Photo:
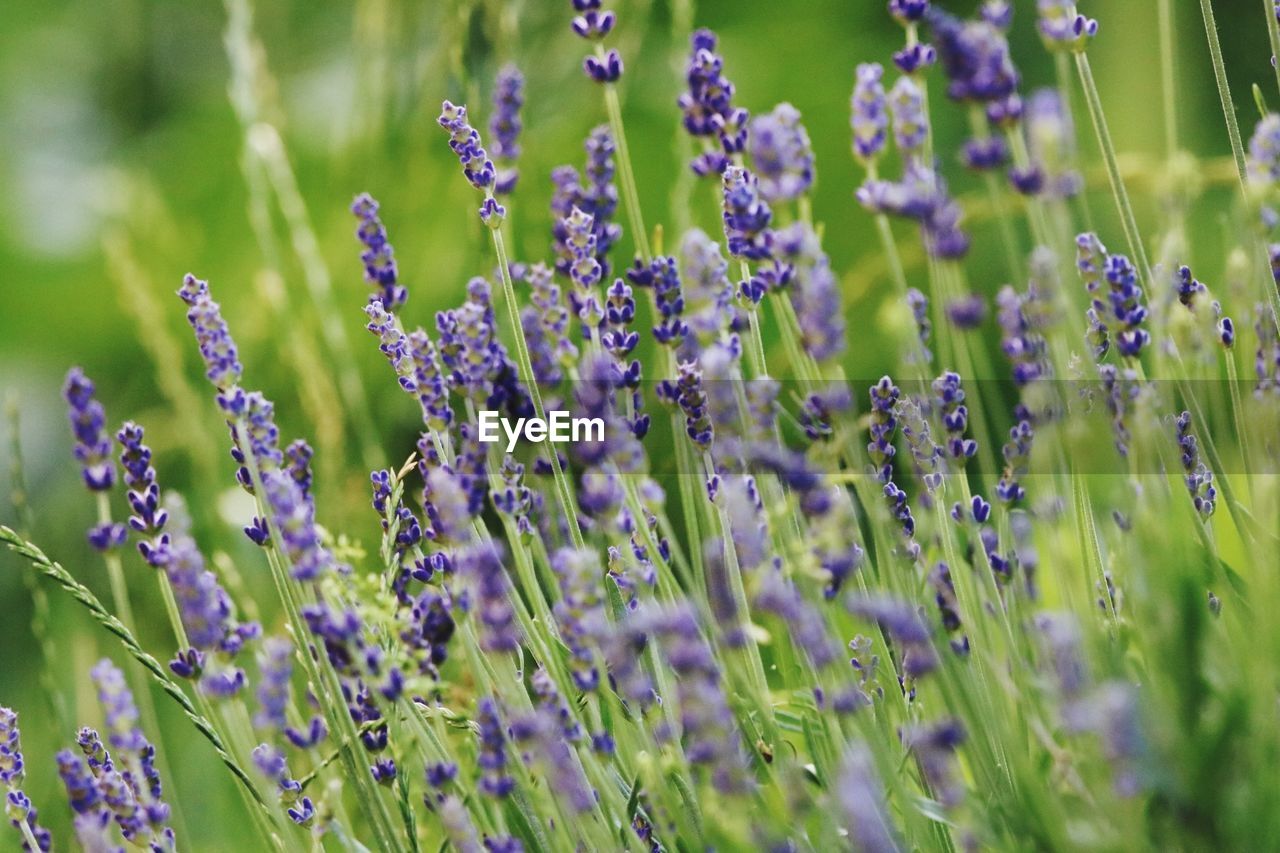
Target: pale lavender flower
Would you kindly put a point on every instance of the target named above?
(975, 58)
(814, 292)
(869, 113)
(495, 780)
(862, 799)
(910, 123)
(505, 127)
(1062, 28)
(781, 153)
(580, 612)
(275, 667)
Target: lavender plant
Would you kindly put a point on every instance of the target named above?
(1016, 596)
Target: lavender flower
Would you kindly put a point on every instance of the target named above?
(955, 415)
(901, 622)
(580, 612)
(692, 399)
(1198, 478)
(378, 257)
(806, 624)
(934, 746)
(1062, 28)
(1126, 306)
(967, 312)
(275, 667)
(1266, 365)
(222, 365)
(869, 113)
(476, 165)
(919, 305)
(1017, 456)
(781, 153)
(88, 421)
(493, 751)
(815, 293)
(117, 700)
(505, 126)
(605, 69)
(592, 23)
(708, 106)
(18, 806)
(910, 123)
(148, 517)
(862, 800)
(294, 516)
(1051, 142)
(884, 423)
(1263, 162)
(975, 57)
(746, 216)
(490, 596)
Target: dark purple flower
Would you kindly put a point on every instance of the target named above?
(1197, 476)
(148, 517)
(275, 667)
(592, 22)
(863, 802)
(967, 312)
(378, 257)
(17, 804)
(88, 426)
(604, 69)
(476, 165)
(746, 216)
(222, 365)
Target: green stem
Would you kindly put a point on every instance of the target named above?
(630, 194)
(1127, 220)
(1224, 91)
(1273, 34)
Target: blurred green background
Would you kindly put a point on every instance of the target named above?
(124, 165)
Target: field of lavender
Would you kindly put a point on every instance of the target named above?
(937, 504)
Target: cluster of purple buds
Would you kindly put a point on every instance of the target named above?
(1126, 306)
(580, 613)
(688, 393)
(1062, 28)
(1020, 341)
(934, 745)
(1051, 146)
(505, 127)
(902, 624)
(708, 106)
(922, 196)
(17, 805)
(88, 425)
(592, 22)
(378, 257)
(597, 197)
(148, 517)
(781, 154)
(869, 116)
(222, 365)
(1199, 478)
(1266, 365)
(1017, 458)
(746, 216)
(884, 423)
(662, 277)
(955, 415)
(975, 58)
(915, 55)
(910, 121)
(493, 756)
(476, 165)
(814, 292)
(925, 454)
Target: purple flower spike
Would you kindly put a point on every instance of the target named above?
(869, 112)
(144, 494)
(975, 57)
(17, 805)
(746, 216)
(780, 150)
(910, 124)
(88, 421)
(505, 126)
(378, 257)
(222, 365)
(476, 165)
